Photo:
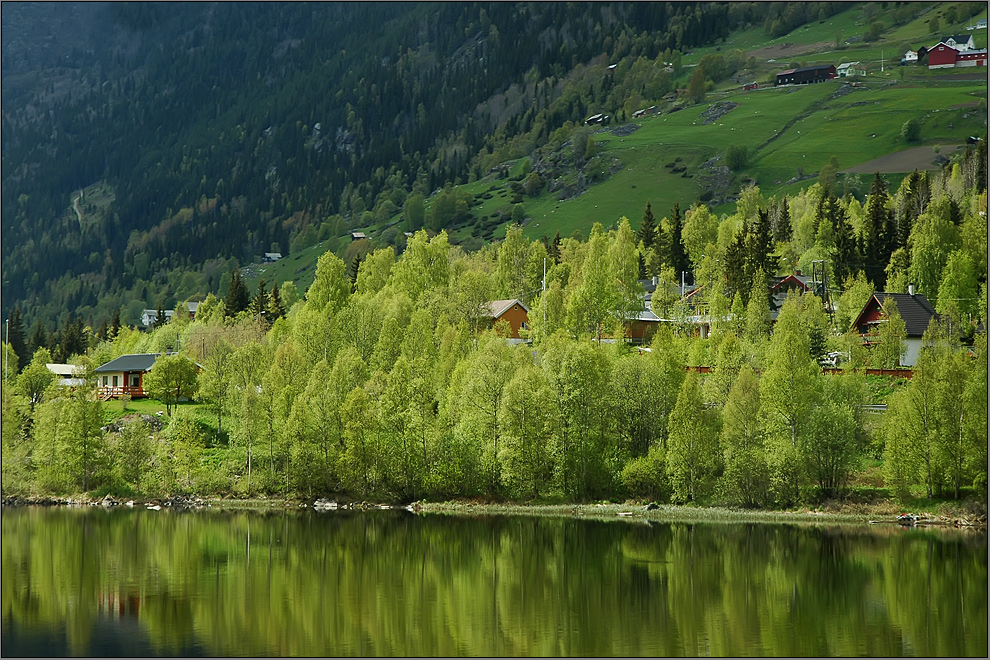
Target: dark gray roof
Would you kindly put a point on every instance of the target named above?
(915, 309)
(133, 362)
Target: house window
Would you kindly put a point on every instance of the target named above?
(105, 379)
(525, 326)
(135, 380)
(115, 381)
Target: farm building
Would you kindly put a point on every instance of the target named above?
(807, 75)
(945, 56)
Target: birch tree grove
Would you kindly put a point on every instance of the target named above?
(401, 387)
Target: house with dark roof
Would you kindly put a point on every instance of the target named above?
(914, 309)
(124, 375)
(961, 42)
(514, 312)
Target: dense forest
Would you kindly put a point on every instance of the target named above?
(179, 139)
(387, 381)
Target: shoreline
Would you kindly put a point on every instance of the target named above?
(847, 514)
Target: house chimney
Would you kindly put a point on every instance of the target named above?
(656, 280)
(910, 289)
(797, 271)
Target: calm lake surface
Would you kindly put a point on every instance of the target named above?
(249, 583)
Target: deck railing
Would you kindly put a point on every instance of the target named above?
(110, 392)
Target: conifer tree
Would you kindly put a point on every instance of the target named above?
(38, 338)
(878, 237)
(238, 298)
(275, 306)
(676, 255)
(15, 336)
(259, 305)
(647, 229)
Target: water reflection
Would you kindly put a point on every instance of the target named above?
(112, 583)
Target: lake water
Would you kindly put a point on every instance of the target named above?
(390, 583)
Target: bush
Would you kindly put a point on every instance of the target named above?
(911, 130)
(736, 157)
(646, 476)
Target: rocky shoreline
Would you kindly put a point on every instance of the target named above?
(649, 512)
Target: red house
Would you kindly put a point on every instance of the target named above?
(515, 312)
(914, 308)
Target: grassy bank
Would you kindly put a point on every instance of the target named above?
(939, 514)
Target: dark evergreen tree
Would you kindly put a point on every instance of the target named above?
(352, 271)
(879, 233)
(160, 318)
(782, 230)
(38, 337)
(554, 249)
(15, 336)
(759, 249)
(275, 307)
(847, 259)
(259, 305)
(115, 324)
(648, 228)
(238, 298)
(103, 332)
(735, 263)
(676, 255)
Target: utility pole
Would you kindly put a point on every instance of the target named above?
(881, 61)
(544, 285)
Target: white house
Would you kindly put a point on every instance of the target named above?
(850, 69)
(910, 56)
(68, 375)
(961, 42)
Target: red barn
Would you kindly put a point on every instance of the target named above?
(972, 58)
(942, 56)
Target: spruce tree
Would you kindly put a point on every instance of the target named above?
(160, 317)
(782, 230)
(115, 324)
(238, 298)
(878, 237)
(38, 337)
(275, 306)
(648, 228)
(259, 305)
(676, 256)
(15, 337)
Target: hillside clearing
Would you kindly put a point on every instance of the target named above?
(908, 160)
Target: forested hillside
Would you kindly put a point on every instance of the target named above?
(223, 130)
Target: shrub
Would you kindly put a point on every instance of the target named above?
(911, 130)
